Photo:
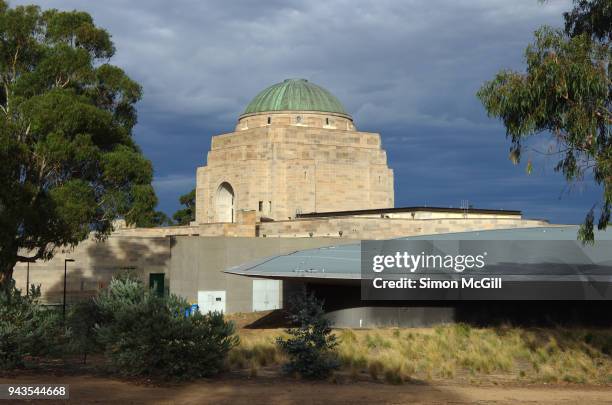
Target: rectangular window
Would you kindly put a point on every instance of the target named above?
(269, 207)
(260, 206)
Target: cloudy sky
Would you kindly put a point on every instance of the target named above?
(406, 69)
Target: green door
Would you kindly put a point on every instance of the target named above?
(156, 282)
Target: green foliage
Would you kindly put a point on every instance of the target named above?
(186, 215)
(566, 92)
(155, 219)
(26, 328)
(311, 346)
(69, 163)
(147, 335)
(591, 17)
(81, 323)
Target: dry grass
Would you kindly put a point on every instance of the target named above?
(256, 349)
(396, 355)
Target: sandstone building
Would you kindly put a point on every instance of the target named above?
(294, 150)
(295, 174)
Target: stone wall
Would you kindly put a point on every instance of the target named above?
(297, 118)
(279, 171)
(367, 226)
(95, 263)
(386, 228)
(423, 213)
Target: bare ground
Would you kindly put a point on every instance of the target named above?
(239, 389)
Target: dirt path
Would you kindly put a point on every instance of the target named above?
(91, 389)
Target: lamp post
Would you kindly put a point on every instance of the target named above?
(65, 272)
(28, 279)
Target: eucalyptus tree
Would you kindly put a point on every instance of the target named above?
(565, 93)
(68, 163)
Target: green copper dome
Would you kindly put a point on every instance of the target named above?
(295, 95)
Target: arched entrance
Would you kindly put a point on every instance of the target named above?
(224, 206)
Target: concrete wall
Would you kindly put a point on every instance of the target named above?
(197, 264)
(391, 317)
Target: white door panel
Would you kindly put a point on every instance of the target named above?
(266, 295)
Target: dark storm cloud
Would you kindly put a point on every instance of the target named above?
(406, 69)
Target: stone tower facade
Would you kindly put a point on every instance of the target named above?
(294, 150)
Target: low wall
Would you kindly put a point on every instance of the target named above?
(190, 263)
(386, 228)
(391, 317)
(346, 310)
(95, 263)
(213, 229)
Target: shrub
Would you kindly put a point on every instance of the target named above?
(147, 335)
(311, 346)
(81, 323)
(26, 328)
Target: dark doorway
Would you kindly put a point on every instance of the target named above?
(156, 283)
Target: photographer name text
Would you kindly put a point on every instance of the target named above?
(428, 283)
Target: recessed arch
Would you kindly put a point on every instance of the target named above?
(225, 203)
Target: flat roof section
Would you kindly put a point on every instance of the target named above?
(406, 209)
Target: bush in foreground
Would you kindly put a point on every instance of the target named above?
(147, 335)
(26, 328)
(311, 345)
(81, 323)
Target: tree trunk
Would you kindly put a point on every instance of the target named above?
(6, 271)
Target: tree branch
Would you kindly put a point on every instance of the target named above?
(39, 255)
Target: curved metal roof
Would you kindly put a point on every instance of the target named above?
(295, 95)
(344, 261)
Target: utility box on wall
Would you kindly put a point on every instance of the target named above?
(211, 301)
